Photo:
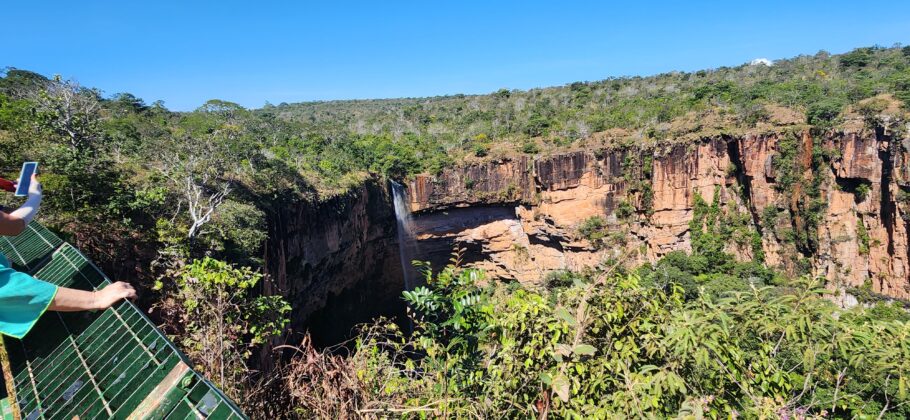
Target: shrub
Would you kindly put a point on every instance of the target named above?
(593, 229)
(871, 111)
(530, 147)
(522, 255)
(647, 197)
(769, 217)
(862, 192)
(889, 311)
(224, 319)
(557, 279)
(823, 113)
(624, 209)
(857, 58)
(616, 345)
(481, 150)
(862, 236)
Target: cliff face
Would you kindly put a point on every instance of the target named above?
(505, 181)
(336, 261)
(837, 206)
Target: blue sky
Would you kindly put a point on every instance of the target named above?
(250, 52)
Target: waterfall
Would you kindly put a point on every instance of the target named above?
(406, 240)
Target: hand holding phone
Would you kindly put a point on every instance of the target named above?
(26, 179)
(28, 185)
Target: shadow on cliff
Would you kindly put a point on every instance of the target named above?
(334, 259)
(438, 233)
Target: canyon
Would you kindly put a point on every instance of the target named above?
(336, 261)
(834, 205)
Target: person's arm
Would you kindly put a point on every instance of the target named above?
(14, 223)
(72, 300)
(11, 225)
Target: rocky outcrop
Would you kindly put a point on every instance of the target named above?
(576, 186)
(336, 261)
(504, 181)
(838, 203)
(679, 175)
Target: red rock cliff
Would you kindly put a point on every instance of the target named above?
(840, 202)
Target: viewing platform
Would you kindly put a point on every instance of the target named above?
(100, 364)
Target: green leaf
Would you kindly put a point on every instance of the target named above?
(563, 314)
(647, 369)
(546, 378)
(584, 350)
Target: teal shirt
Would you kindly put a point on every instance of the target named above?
(23, 299)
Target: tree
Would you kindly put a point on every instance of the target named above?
(823, 113)
(70, 113)
(21, 83)
(901, 85)
(229, 111)
(129, 102)
(240, 231)
(858, 58)
(202, 199)
(606, 345)
(203, 158)
(198, 170)
(223, 318)
(537, 125)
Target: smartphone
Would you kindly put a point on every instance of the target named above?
(25, 178)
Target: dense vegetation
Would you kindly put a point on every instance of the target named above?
(609, 344)
(179, 203)
(806, 89)
(694, 335)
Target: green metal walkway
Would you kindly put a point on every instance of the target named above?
(103, 364)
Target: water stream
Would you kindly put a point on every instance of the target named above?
(406, 240)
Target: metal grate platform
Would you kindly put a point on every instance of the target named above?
(88, 365)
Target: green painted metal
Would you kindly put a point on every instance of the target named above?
(30, 248)
(107, 364)
(6, 411)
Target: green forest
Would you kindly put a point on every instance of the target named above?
(184, 197)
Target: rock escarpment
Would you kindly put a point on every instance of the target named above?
(835, 205)
(336, 261)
